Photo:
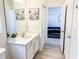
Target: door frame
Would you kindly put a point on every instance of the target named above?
(45, 6)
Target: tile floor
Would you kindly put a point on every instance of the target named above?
(50, 51)
(54, 41)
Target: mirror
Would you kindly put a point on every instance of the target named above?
(15, 16)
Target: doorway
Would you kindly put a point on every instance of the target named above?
(54, 25)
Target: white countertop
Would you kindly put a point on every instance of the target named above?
(21, 40)
(2, 50)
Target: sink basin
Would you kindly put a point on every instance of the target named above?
(27, 36)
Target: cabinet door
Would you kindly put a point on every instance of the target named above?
(33, 47)
(36, 44)
(30, 51)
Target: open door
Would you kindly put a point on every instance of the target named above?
(68, 29)
(63, 28)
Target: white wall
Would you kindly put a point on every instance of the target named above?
(21, 25)
(33, 25)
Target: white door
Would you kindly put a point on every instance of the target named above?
(63, 27)
(68, 28)
(74, 41)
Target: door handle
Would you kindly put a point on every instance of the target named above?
(77, 6)
(69, 37)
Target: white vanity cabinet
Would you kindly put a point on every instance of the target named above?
(24, 48)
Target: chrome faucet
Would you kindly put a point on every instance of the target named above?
(23, 34)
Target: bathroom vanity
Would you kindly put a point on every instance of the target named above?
(24, 47)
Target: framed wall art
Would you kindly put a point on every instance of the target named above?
(34, 13)
(20, 14)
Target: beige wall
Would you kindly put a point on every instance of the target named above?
(55, 3)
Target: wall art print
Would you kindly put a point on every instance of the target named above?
(20, 14)
(34, 13)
